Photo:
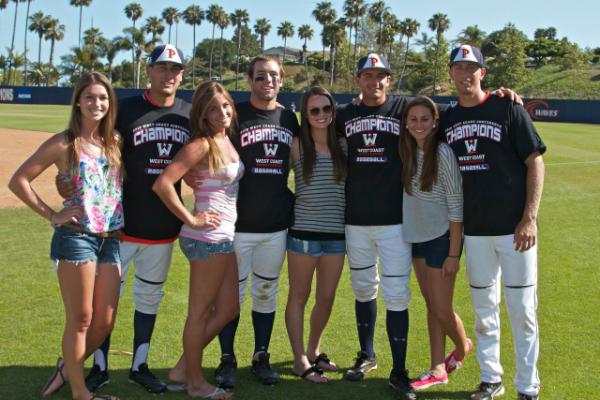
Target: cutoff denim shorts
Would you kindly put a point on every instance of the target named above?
(199, 250)
(316, 248)
(434, 251)
(80, 247)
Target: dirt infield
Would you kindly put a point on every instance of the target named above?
(15, 147)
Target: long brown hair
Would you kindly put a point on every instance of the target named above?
(199, 125)
(110, 140)
(408, 148)
(309, 154)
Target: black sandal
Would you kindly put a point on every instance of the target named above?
(57, 373)
(313, 370)
(325, 360)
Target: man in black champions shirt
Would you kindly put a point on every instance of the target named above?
(154, 127)
(500, 157)
(374, 218)
(265, 210)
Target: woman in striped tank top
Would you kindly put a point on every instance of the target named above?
(206, 237)
(316, 242)
(432, 222)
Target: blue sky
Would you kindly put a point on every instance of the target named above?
(578, 20)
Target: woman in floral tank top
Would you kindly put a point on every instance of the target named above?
(85, 243)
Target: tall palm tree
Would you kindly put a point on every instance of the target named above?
(169, 14)
(439, 23)
(391, 26)
(325, 15)
(3, 5)
(38, 23)
(11, 53)
(239, 18)
(109, 49)
(137, 40)
(54, 33)
(25, 74)
(305, 32)
(80, 4)
(375, 12)
(133, 11)
(92, 38)
(354, 10)
(333, 35)
(408, 28)
(155, 27)
(213, 14)
(193, 15)
(262, 27)
(285, 30)
(471, 35)
(223, 24)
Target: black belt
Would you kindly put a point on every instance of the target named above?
(103, 235)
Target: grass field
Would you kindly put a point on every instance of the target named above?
(31, 320)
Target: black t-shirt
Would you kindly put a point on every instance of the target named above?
(263, 140)
(151, 138)
(373, 186)
(492, 141)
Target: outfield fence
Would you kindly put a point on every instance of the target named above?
(547, 110)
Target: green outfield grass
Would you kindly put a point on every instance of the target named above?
(31, 320)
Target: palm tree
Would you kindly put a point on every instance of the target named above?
(213, 14)
(333, 35)
(137, 41)
(471, 35)
(109, 49)
(12, 42)
(391, 26)
(325, 15)
(80, 4)
(223, 23)
(155, 27)
(38, 23)
(25, 42)
(305, 32)
(439, 23)
(92, 38)
(376, 11)
(285, 30)
(3, 5)
(133, 11)
(408, 27)
(354, 10)
(193, 15)
(54, 33)
(262, 29)
(169, 14)
(238, 19)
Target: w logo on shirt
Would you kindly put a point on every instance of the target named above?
(471, 146)
(270, 149)
(164, 149)
(369, 139)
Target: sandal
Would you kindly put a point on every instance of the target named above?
(103, 397)
(217, 392)
(313, 371)
(325, 363)
(57, 373)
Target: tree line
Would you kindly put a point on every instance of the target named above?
(417, 51)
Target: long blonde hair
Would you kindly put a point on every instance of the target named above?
(199, 125)
(110, 140)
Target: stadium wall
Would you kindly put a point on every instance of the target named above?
(578, 111)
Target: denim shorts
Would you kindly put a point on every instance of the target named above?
(200, 250)
(316, 248)
(434, 251)
(79, 247)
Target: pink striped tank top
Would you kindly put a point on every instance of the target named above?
(218, 193)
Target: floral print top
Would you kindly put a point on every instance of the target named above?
(98, 191)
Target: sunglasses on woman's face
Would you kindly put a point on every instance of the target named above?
(316, 111)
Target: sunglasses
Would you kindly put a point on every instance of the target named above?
(316, 111)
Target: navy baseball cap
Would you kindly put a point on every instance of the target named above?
(467, 53)
(373, 61)
(166, 53)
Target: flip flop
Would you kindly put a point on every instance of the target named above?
(322, 358)
(217, 392)
(57, 373)
(312, 371)
(103, 397)
(176, 387)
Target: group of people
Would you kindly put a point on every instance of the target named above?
(388, 180)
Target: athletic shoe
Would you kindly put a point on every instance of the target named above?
(146, 379)
(225, 372)
(262, 369)
(401, 385)
(96, 378)
(427, 380)
(362, 364)
(488, 391)
(523, 396)
(452, 363)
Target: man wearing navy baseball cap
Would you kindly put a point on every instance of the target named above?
(500, 158)
(153, 127)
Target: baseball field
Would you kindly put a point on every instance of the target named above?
(31, 315)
